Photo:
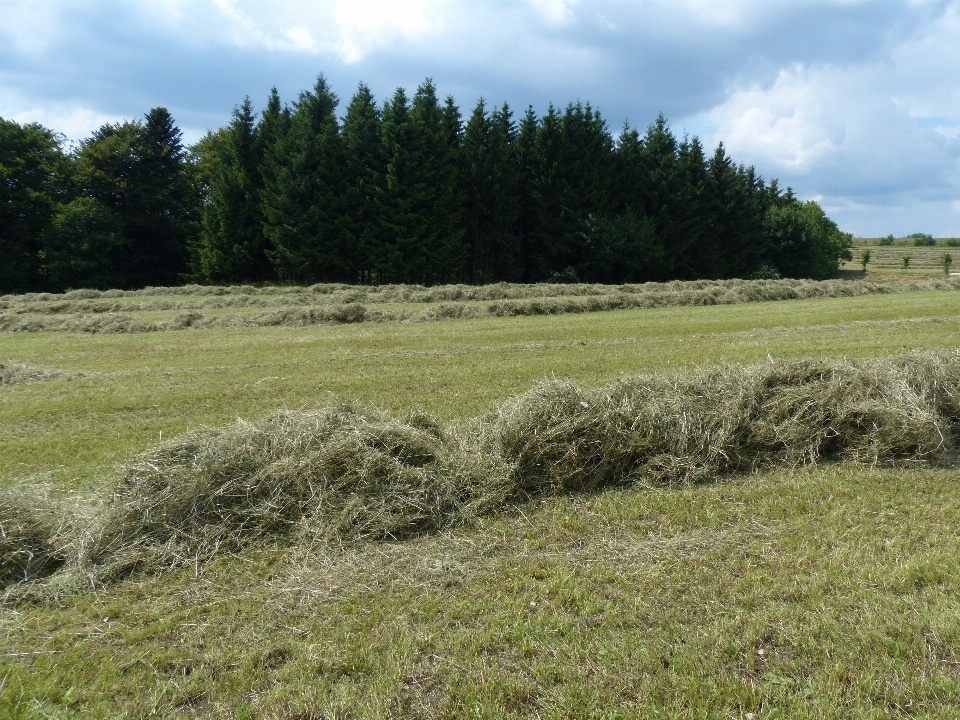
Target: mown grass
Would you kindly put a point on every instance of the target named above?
(819, 592)
(138, 386)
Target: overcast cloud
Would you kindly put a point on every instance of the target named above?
(855, 104)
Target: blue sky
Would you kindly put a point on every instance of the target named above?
(855, 104)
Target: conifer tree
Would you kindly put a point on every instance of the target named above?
(504, 200)
(302, 190)
(361, 226)
(396, 207)
(232, 246)
(164, 217)
(666, 198)
(421, 209)
(478, 182)
(549, 218)
(139, 172)
(523, 161)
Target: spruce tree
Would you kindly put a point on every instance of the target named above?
(666, 198)
(361, 227)
(478, 183)
(232, 245)
(421, 208)
(302, 191)
(523, 161)
(504, 200)
(164, 216)
(395, 205)
(139, 172)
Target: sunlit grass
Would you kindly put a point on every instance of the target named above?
(810, 593)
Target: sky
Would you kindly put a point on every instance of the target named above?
(852, 103)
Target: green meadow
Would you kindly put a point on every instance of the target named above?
(830, 590)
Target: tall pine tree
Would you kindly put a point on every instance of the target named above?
(302, 192)
(233, 246)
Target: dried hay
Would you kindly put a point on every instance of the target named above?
(340, 473)
(29, 534)
(92, 311)
(656, 430)
(21, 373)
(344, 473)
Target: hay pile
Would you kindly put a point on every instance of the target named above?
(344, 473)
(340, 473)
(657, 430)
(19, 373)
(31, 544)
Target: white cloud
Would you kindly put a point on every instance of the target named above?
(878, 140)
(555, 12)
(76, 123)
(366, 24)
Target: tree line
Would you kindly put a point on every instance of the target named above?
(409, 191)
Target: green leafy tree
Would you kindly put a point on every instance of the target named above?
(885, 241)
(621, 248)
(34, 179)
(84, 247)
(946, 261)
(864, 259)
(805, 242)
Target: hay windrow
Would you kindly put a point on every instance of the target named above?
(345, 473)
(90, 311)
(12, 373)
(31, 541)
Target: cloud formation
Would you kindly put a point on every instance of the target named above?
(852, 102)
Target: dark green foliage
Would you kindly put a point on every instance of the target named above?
(922, 239)
(888, 240)
(138, 171)
(360, 222)
(83, 246)
(33, 172)
(421, 205)
(302, 192)
(232, 245)
(805, 243)
(405, 194)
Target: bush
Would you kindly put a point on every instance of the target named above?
(567, 277)
(888, 240)
(922, 240)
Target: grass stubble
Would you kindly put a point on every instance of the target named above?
(523, 585)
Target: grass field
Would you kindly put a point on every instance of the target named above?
(829, 591)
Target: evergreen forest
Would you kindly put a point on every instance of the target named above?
(407, 191)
